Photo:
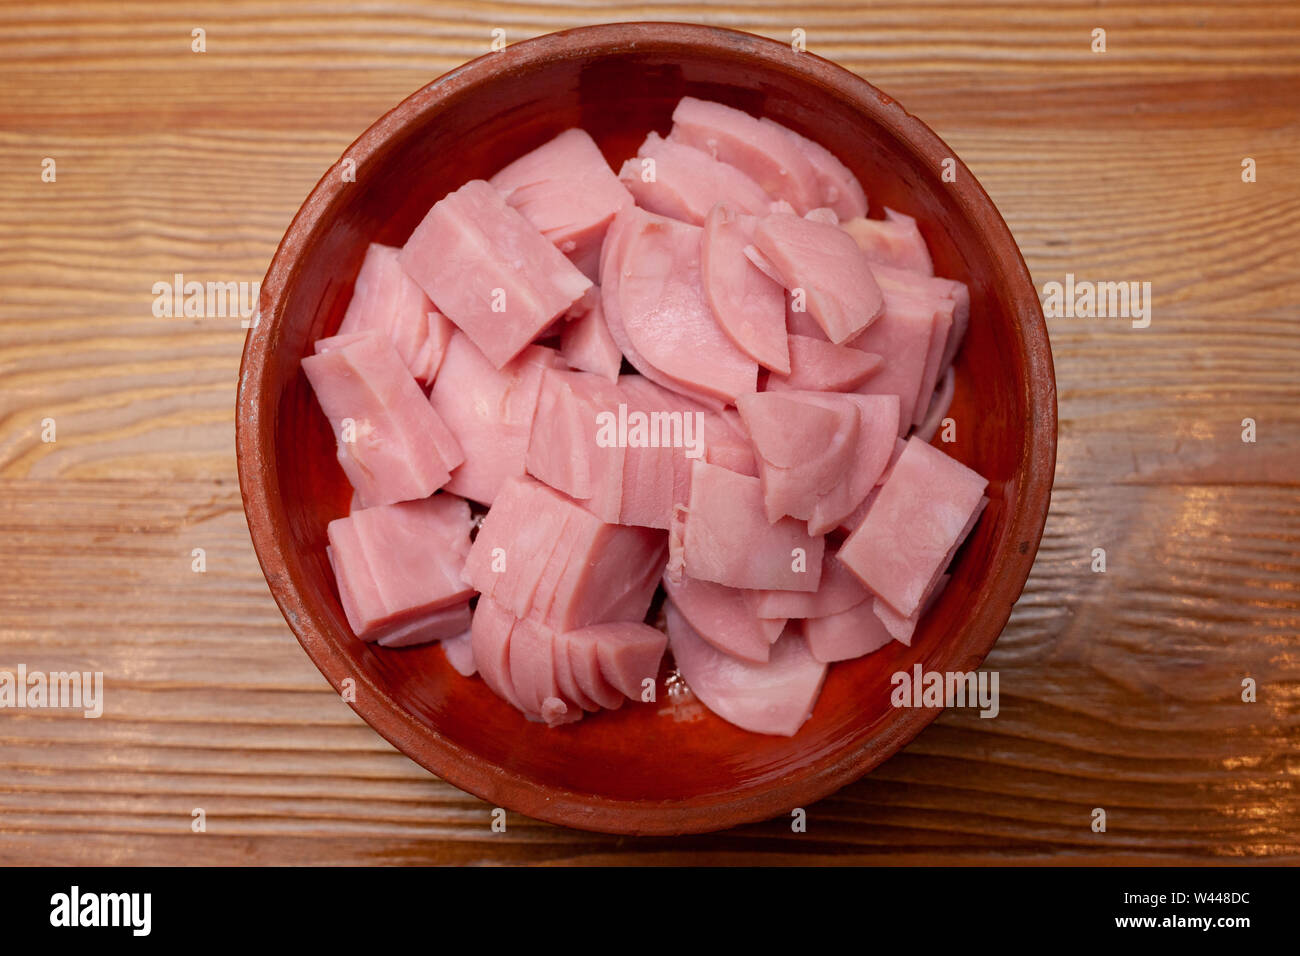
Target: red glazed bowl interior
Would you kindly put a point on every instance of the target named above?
(665, 767)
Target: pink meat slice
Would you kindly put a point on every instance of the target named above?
(804, 448)
(747, 305)
(933, 356)
(394, 447)
(894, 241)
(555, 712)
(877, 437)
(935, 412)
(610, 570)
(893, 279)
(837, 187)
(460, 652)
(673, 179)
(585, 344)
(584, 664)
(846, 635)
(565, 679)
(490, 639)
(819, 365)
(902, 628)
(490, 271)
(914, 525)
(722, 616)
(775, 697)
(490, 412)
(902, 335)
(569, 194)
(532, 664)
(764, 152)
(839, 590)
(627, 653)
(569, 447)
(661, 321)
(823, 261)
(727, 538)
(388, 301)
(854, 518)
(435, 626)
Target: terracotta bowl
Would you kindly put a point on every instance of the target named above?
(647, 768)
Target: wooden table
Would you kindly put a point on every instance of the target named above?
(1120, 690)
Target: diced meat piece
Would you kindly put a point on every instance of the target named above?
(386, 300)
(586, 344)
(655, 308)
(823, 261)
(823, 366)
(460, 652)
(932, 370)
(775, 697)
(610, 571)
(837, 187)
(490, 639)
(565, 679)
(877, 436)
(674, 179)
(727, 538)
(392, 445)
(840, 590)
(894, 241)
(628, 653)
(490, 271)
(893, 279)
(490, 412)
(583, 646)
(848, 524)
(556, 712)
(722, 616)
(572, 447)
(747, 305)
(914, 525)
(846, 635)
(569, 194)
(935, 412)
(804, 448)
(902, 334)
(435, 626)
(902, 628)
(532, 664)
(765, 152)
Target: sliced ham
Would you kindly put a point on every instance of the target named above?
(893, 241)
(935, 412)
(585, 344)
(460, 652)
(567, 191)
(902, 628)
(490, 271)
(656, 311)
(676, 180)
(568, 448)
(749, 306)
(391, 444)
(490, 412)
(819, 365)
(839, 590)
(724, 616)
(903, 333)
(775, 697)
(627, 652)
(435, 626)
(765, 152)
(727, 538)
(388, 301)
(583, 651)
(837, 187)
(824, 262)
(490, 640)
(847, 634)
(921, 514)
(893, 279)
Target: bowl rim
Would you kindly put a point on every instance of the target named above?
(257, 466)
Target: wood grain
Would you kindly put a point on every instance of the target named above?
(1120, 690)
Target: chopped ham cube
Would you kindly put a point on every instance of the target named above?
(748, 305)
(775, 697)
(764, 152)
(656, 310)
(840, 590)
(838, 188)
(490, 639)
(847, 634)
(823, 262)
(585, 344)
(490, 412)
(386, 300)
(398, 569)
(674, 179)
(901, 627)
(582, 648)
(490, 271)
(392, 445)
(724, 616)
(915, 524)
(727, 538)
(818, 365)
(903, 332)
(893, 241)
(568, 192)
(565, 449)
(628, 653)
